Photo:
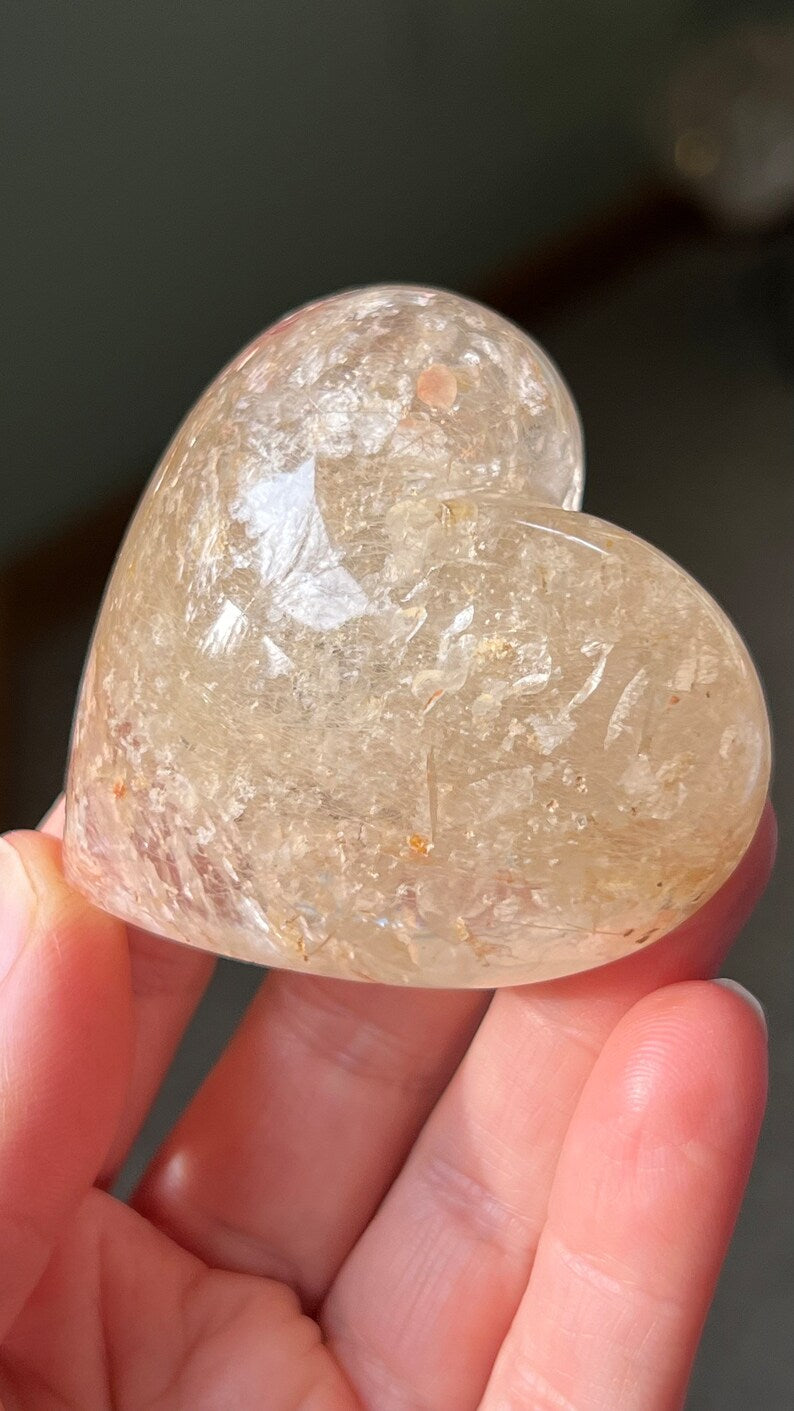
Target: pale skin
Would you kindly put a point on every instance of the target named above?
(380, 1200)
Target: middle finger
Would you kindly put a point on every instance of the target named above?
(290, 1144)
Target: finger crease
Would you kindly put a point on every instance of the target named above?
(359, 1046)
(526, 1387)
(593, 1270)
(486, 1215)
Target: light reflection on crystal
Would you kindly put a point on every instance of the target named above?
(363, 701)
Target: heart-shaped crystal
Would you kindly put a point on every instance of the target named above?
(363, 701)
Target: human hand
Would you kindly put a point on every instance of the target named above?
(379, 1200)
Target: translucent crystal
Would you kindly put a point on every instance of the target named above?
(359, 704)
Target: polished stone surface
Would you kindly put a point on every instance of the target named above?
(694, 373)
(359, 704)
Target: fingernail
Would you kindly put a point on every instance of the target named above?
(752, 1000)
(17, 903)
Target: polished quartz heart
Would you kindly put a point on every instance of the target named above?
(369, 698)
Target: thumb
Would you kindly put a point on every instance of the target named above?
(65, 1043)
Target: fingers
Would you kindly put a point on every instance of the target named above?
(288, 1147)
(644, 1200)
(168, 981)
(421, 1306)
(65, 1031)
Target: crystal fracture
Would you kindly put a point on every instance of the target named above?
(369, 696)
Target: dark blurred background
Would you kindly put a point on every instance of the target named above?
(618, 177)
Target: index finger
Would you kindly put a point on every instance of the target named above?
(644, 1200)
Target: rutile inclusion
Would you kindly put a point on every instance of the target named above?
(369, 697)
